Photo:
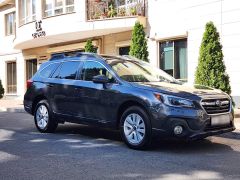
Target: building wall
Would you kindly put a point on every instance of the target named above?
(8, 53)
(170, 19)
(113, 41)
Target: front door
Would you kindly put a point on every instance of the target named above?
(97, 100)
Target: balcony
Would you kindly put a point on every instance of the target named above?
(6, 2)
(109, 9)
(79, 26)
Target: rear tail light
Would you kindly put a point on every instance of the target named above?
(29, 83)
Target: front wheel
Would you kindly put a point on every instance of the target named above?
(43, 118)
(136, 128)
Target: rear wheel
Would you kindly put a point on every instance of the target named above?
(136, 128)
(43, 118)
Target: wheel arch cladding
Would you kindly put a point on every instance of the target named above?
(36, 100)
(125, 105)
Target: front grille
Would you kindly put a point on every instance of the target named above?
(216, 106)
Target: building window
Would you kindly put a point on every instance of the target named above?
(124, 50)
(27, 11)
(31, 68)
(57, 7)
(173, 58)
(11, 78)
(10, 23)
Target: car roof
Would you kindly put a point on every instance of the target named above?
(68, 56)
(86, 55)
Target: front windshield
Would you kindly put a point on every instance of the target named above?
(139, 71)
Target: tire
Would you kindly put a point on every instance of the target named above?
(43, 118)
(135, 127)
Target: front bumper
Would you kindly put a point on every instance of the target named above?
(201, 135)
(196, 124)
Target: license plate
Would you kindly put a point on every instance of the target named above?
(220, 120)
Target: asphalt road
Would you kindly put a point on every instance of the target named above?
(82, 152)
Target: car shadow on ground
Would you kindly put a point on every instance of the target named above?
(231, 135)
(158, 145)
(88, 131)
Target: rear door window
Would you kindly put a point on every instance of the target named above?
(68, 70)
(47, 71)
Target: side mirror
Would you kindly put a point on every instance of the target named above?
(100, 79)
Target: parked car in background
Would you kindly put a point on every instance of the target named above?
(121, 92)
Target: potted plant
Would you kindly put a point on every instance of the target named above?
(122, 12)
(97, 15)
(111, 11)
(103, 15)
(133, 11)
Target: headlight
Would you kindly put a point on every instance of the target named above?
(174, 100)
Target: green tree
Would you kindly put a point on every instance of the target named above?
(89, 47)
(211, 70)
(1, 90)
(139, 48)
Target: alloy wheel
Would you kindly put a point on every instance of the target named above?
(42, 117)
(134, 128)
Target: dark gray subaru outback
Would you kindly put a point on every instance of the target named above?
(126, 94)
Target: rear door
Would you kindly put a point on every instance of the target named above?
(64, 102)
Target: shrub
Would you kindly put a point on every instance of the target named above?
(211, 70)
(1, 90)
(89, 47)
(139, 48)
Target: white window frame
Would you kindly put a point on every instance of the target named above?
(23, 18)
(54, 8)
(7, 23)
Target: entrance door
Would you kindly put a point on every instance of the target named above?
(11, 78)
(31, 68)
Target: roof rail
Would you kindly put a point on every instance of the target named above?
(82, 55)
(57, 57)
(86, 55)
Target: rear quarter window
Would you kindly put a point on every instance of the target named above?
(47, 71)
(68, 70)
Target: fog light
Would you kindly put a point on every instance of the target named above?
(178, 130)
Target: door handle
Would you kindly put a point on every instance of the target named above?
(49, 85)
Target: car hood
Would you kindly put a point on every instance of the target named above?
(181, 90)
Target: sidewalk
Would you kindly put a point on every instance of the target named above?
(11, 105)
(237, 113)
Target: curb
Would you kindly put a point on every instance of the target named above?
(237, 115)
(12, 110)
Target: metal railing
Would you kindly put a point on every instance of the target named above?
(104, 9)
